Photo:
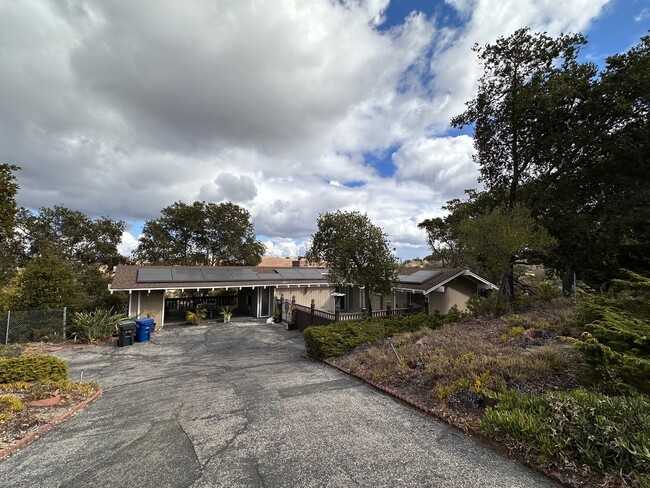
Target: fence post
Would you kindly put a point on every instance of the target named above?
(337, 312)
(8, 321)
(388, 308)
(65, 316)
(311, 312)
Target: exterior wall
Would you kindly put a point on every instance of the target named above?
(401, 299)
(457, 292)
(322, 296)
(154, 302)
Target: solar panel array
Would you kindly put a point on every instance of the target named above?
(195, 275)
(419, 276)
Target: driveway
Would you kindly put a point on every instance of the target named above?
(239, 404)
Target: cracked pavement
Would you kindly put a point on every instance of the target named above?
(240, 405)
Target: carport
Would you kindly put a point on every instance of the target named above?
(255, 288)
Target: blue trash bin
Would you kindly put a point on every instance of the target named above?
(143, 329)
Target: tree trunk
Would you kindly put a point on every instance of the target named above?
(567, 281)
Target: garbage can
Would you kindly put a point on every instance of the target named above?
(126, 329)
(143, 329)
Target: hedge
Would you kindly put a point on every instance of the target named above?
(33, 368)
(337, 339)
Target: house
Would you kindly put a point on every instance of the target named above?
(256, 288)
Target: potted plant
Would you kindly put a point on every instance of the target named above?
(196, 317)
(226, 312)
(277, 315)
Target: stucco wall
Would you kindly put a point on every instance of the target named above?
(457, 292)
(322, 296)
(141, 301)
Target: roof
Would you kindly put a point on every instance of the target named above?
(128, 278)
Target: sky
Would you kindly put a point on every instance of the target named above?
(288, 108)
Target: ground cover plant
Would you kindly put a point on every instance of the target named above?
(521, 379)
(34, 390)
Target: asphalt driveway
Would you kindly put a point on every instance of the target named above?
(239, 404)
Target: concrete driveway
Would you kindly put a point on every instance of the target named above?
(240, 405)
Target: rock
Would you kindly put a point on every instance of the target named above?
(47, 402)
(533, 333)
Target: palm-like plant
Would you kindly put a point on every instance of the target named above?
(196, 317)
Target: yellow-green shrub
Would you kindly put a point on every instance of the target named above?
(33, 368)
(9, 405)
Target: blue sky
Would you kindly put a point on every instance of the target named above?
(287, 108)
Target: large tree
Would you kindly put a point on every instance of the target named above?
(9, 245)
(533, 118)
(73, 236)
(356, 252)
(200, 234)
(529, 109)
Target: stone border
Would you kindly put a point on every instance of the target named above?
(469, 431)
(32, 436)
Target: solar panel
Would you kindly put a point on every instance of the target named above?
(418, 277)
(217, 275)
(269, 276)
(183, 275)
(312, 274)
(153, 275)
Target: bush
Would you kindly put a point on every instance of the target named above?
(609, 435)
(338, 339)
(616, 338)
(33, 368)
(9, 405)
(494, 305)
(94, 326)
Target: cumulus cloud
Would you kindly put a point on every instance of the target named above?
(128, 244)
(121, 108)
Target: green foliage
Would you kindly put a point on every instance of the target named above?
(32, 368)
(9, 245)
(610, 435)
(512, 332)
(355, 251)
(496, 239)
(73, 237)
(494, 305)
(10, 350)
(94, 326)
(47, 282)
(616, 338)
(337, 339)
(10, 405)
(197, 316)
(200, 234)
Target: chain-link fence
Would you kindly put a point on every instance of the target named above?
(32, 325)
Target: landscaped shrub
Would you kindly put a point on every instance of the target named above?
(94, 326)
(616, 338)
(33, 368)
(608, 435)
(10, 405)
(338, 339)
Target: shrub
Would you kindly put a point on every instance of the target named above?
(9, 405)
(94, 326)
(512, 332)
(337, 339)
(33, 368)
(616, 338)
(609, 435)
(493, 305)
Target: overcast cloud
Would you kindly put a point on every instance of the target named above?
(121, 108)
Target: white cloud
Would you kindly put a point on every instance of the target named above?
(128, 244)
(643, 15)
(121, 108)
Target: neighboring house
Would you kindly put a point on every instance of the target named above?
(258, 287)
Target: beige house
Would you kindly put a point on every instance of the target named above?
(257, 288)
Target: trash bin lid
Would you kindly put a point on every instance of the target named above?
(145, 321)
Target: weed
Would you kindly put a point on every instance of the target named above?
(9, 406)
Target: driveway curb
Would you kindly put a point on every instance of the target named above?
(32, 436)
(469, 431)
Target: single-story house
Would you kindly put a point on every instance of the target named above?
(258, 287)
